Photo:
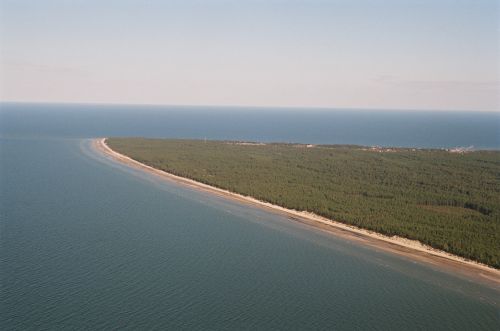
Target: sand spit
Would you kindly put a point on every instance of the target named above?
(402, 246)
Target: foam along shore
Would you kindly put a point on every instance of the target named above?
(398, 245)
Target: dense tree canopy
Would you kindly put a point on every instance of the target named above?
(450, 201)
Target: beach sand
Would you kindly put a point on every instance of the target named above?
(409, 248)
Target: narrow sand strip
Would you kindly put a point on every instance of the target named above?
(395, 244)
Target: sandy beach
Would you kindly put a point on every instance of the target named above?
(409, 248)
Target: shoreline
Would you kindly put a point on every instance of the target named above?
(409, 248)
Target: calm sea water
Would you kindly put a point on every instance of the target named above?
(361, 127)
(87, 243)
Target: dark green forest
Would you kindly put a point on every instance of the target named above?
(450, 201)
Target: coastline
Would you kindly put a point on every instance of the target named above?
(409, 248)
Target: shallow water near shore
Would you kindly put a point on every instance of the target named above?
(89, 243)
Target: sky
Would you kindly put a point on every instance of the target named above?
(380, 54)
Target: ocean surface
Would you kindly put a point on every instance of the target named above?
(360, 127)
(87, 243)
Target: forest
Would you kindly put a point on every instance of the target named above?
(450, 201)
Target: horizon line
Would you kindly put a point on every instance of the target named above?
(262, 107)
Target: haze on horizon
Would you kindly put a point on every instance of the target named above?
(392, 54)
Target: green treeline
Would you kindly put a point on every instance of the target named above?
(449, 201)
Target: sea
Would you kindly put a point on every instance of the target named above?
(88, 243)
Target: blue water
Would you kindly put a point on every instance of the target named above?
(87, 243)
(362, 127)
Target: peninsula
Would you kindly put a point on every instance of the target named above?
(430, 204)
